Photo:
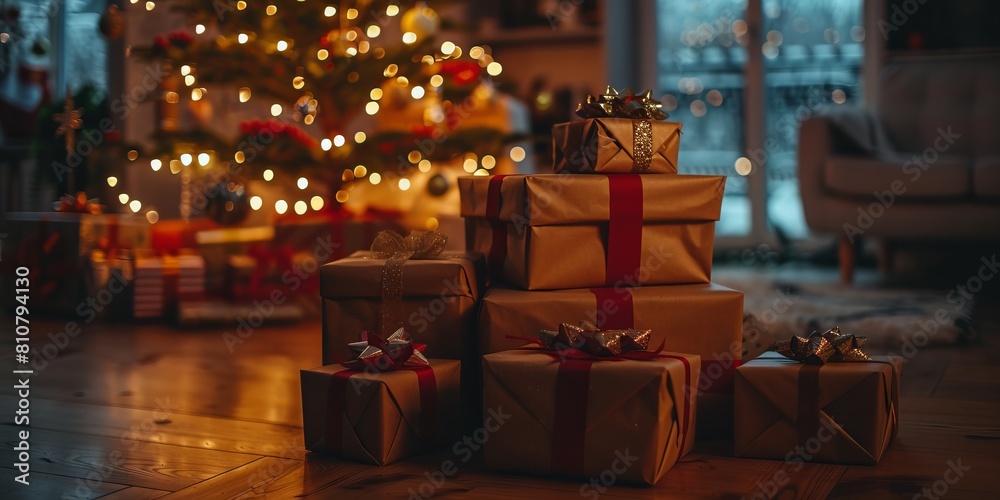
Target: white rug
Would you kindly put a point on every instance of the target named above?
(889, 318)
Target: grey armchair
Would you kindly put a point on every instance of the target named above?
(924, 165)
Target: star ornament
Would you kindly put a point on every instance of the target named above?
(830, 346)
(587, 337)
(392, 353)
(69, 120)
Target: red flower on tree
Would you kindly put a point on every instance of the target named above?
(461, 72)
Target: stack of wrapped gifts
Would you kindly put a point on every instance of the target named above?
(162, 283)
(581, 325)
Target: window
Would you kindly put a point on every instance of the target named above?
(710, 65)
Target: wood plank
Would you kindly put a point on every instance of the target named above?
(42, 485)
(325, 477)
(167, 427)
(975, 417)
(136, 493)
(257, 382)
(131, 463)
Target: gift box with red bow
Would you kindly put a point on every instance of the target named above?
(554, 231)
(580, 415)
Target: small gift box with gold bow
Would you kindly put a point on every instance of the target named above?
(551, 231)
(403, 282)
(589, 402)
(621, 133)
(818, 399)
(387, 403)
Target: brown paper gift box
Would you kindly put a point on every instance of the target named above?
(843, 413)
(607, 146)
(634, 408)
(704, 319)
(382, 416)
(439, 298)
(552, 231)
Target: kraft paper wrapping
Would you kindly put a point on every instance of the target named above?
(857, 404)
(557, 229)
(704, 319)
(381, 412)
(608, 146)
(439, 298)
(632, 406)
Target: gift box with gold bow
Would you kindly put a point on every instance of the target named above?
(579, 414)
(433, 297)
(552, 231)
(382, 405)
(823, 401)
(621, 133)
(701, 319)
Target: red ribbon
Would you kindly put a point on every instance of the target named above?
(498, 247)
(809, 409)
(569, 433)
(616, 304)
(337, 397)
(569, 426)
(624, 227)
(808, 418)
(618, 313)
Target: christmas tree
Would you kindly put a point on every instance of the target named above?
(362, 100)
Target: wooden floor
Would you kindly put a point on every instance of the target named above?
(150, 411)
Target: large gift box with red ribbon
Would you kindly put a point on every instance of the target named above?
(583, 416)
(838, 412)
(703, 319)
(555, 231)
(436, 301)
(380, 417)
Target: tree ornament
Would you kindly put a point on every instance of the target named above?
(230, 205)
(420, 20)
(438, 185)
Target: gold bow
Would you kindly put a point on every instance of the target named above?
(590, 339)
(624, 104)
(416, 245)
(397, 249)
(830, 346)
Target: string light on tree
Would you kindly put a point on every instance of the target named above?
(350, 65)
